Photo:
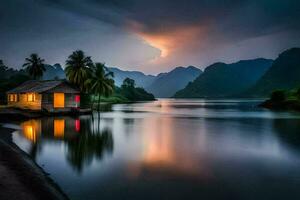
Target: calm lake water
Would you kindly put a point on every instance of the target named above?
(170, 149)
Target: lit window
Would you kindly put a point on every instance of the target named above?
(13, 97)
(59, 100)
(30, 97)
(77, 98)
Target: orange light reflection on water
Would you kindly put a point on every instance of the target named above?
(166, 148)
(59, 128)
(31, 130)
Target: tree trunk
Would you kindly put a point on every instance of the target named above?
(92, 103)
(99, 102)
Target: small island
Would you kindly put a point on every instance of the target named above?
(283, 100)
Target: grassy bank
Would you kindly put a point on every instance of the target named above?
(113, 99)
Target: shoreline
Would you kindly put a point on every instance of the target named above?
(14, 114)
(21, 177)
(291, 105)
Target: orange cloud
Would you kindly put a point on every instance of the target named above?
(168, 40)
(173, 40)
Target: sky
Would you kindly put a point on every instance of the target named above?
(149, 36)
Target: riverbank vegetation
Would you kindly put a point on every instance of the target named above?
(128, 92)
(283, 100)
(94, 80)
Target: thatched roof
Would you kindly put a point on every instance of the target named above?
(34, 86)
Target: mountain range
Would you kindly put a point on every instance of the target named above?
(53, 72)
(162, 85)
(141, 80)
(167, 84)
(224, 80)
(283, 74)
(247, 78)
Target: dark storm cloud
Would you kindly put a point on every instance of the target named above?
(245, 18)
(32, 26)
(151, 35)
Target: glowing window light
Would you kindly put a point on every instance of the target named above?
(77, 98)
(30, 97)
(59, 100)
(59, 128)
(13, 97)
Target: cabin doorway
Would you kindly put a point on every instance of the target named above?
(59, 100)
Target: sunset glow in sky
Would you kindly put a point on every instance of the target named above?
(150, 36)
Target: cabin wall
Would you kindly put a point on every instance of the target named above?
(48, 100)
(70, 101)
(22, 102)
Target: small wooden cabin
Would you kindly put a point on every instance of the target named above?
(52, 96)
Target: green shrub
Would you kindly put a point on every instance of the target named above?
(298, 94)
(278, 96)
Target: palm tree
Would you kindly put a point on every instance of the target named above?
(101, 82)
(35, 66)
(3, 66)
(78, 68)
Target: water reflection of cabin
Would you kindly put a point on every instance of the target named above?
(44, 95)
(51, 128)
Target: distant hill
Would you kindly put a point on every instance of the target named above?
(166, 84)
(7, 72)
(141, 80)
(283, 74)
(53, 72)
(224, 80)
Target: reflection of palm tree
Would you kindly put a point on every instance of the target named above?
(89, 145)
(106, 108)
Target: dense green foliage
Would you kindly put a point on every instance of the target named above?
(128, 92)
(284, 74)
(10, 78)
(97, 81)
(298, 94)
(35, 66)
(100, 82)
(78, 68)
(283, 100)
(278, 95)
(115, 98)
(224, 80)
(132, 93)
(94, 80)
